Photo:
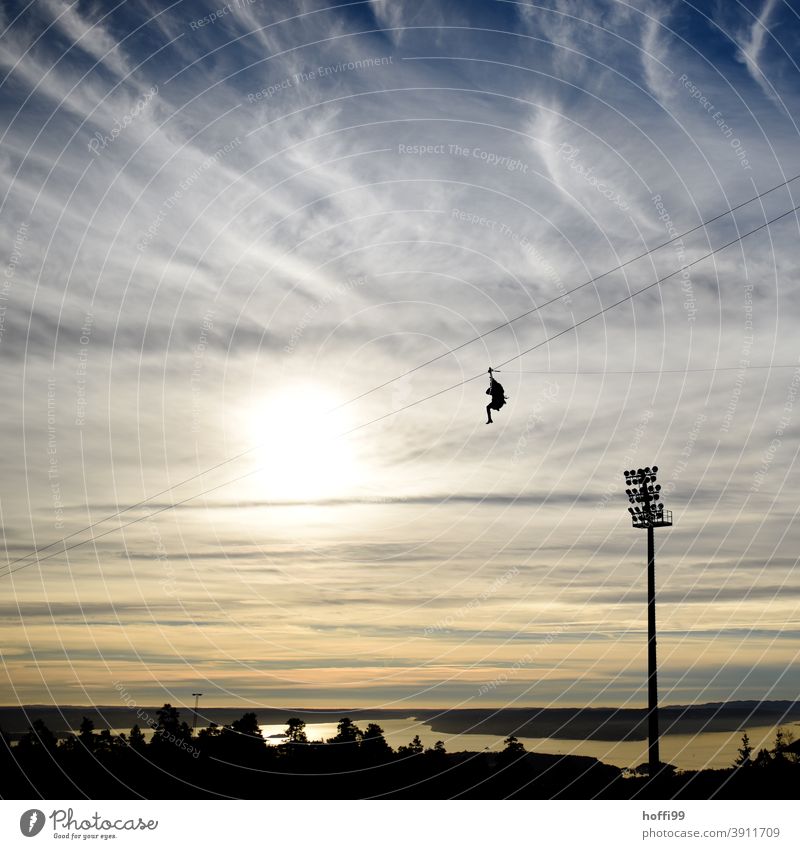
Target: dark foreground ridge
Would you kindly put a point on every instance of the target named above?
(234, 761)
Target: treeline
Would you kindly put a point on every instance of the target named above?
(235, 761)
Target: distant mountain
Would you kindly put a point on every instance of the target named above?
(613, 724)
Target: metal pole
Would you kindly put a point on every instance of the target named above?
(647, 512)
(652, 679)
(194, 720)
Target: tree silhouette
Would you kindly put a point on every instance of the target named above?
(169, 729)
(235, 761)
(211, 731)
(374, 745)
(763, 759)
(86, 734)
(437, 755)
(296, 731)
(782, 740)
(346, 732)
(243, 739)
(248, 725)
(513, 752)
(209, 740)
(137, 739)
(106, 741)
(513, 746)
(39, 738)
(745, 753)
(415, 747)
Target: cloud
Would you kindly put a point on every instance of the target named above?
(751, 41)
(312, 205)
(94, 38)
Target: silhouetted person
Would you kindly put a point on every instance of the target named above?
(498, 397)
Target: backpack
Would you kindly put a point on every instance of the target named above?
(498, 395)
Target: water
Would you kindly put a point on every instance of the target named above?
(707, 750)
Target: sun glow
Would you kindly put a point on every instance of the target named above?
(301, 453)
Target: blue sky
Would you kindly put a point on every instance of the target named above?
(220, 222)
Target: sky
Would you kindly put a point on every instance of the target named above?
(221, 226)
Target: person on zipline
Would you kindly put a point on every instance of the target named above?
(498, 397)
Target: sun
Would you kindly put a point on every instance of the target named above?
(301, 454)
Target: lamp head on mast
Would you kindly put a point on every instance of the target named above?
(644, 494)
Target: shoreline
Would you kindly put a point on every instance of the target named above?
(606, 725)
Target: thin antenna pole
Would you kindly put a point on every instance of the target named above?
(194, 720)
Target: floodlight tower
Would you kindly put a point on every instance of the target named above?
(648, 513)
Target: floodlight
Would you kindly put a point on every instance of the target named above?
(643, 490)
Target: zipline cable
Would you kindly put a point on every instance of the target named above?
(246, 451)
(659, 371)
(562, 295)
(129, 523)
(577, 324)
(416, 403)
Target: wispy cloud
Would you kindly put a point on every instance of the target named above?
(287, 201)
(751, 41)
